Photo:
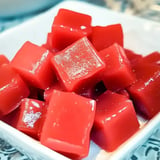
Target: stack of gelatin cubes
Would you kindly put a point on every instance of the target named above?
(81, 84)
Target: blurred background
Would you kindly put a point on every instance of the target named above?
(13, 12)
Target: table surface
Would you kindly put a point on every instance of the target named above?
(150, 150)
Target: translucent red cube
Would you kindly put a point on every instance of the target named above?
(3, 59)
(78, 66)
(153, 58)
(145, 91)
(105, 36)
(132, 56)
(29, 117)
(12, 89)
(69, 26)
(115, 121)
(118, 73)
(68, 124)
(33, 64)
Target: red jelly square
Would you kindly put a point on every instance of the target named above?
(115, 121)
(69, 124)
(12, 89)
(69, 26)
(153, 58)
(132, 56)
(104, 36)
(78, 65)
(118, 73)
(3, 60)
(29, 117)
(145, 91)
(33, 64)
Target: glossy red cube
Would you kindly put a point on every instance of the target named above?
(118, 73)
(78, 66)
(67, 126)
(153, 58)
(132, 56)
(29, 117)
(3, 59)
(115, 121)
(33, 64)
(69, 26)
(144, 71)
(105, 36)
(145, 91)
(12, 89)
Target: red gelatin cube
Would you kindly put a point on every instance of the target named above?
(33, 64)
(104, 36)
(115, 121)
(132, 56)
(12, 89)
(145, 91)
(144, 71)
(30, 117)
(69, 124)
(69, 26)
(3, 59)
(118, 73)
(153, 58)
(78, 66)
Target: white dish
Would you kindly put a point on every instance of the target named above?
(140, 35)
